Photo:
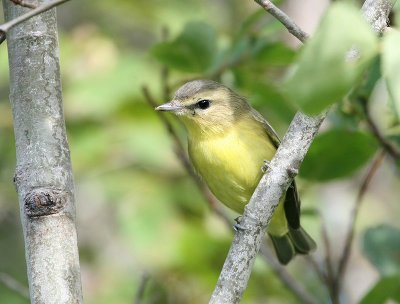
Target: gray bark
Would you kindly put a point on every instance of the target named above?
(43, 176)
(236, 271)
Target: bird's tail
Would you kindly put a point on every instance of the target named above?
(296, 241)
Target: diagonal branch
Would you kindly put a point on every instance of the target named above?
(14, 285)
(386, 144)
(23, 3)
(258, 213)
(291, 26)
(354, 214)
(286, 278)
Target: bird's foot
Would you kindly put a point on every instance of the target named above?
(266, 166)
(237, 226)
(292, 172)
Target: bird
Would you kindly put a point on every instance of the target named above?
(228, 143)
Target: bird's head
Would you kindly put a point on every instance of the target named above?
(206, 106)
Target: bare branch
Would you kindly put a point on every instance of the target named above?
(4, 28)
(376, 12)
(14, 285)
(258, 213)
(330, 273)
(386, 144)
(287, 280)
(142, 287)
(314, 264)
(291, 26)
(354, 214)
(23, 3)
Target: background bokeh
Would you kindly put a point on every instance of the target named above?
(140, 217)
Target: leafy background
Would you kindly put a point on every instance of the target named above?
(140, 216)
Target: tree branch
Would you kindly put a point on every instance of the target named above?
(376, 12)
(14, 285)
(23, 3)
(386, 144)
(330, 273)
(286, 278)
(291, 26)
(4, 28)
(354, 214)
(141, 289)
(43, 175)
(258, 213)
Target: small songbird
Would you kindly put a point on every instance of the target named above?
(228, 143)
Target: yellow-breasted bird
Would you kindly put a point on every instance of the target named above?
(228, 144)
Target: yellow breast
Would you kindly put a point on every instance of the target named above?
(231, 163)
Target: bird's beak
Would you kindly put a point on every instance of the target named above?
(170, 106)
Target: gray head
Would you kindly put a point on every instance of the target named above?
(206, 104)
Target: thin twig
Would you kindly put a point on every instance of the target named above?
(314, 264)
(142, 287)
(286, 278)
(330, 273)
(14, 285)
(354, 214)
(291, 26)
(386, 144)
(24, 3)
(4, 28)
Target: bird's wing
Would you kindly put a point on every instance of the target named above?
(292, 200)
(270, 131)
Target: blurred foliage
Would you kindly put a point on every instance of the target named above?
(381, 245)
(386, 290)
(192, 51)
(391, 66)
(329, 65)
(138, 211)
(356, 148)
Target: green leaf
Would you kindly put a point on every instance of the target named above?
(275, 53)
(325, 72)
(370, 78)
(192, 51)
(381, 246)
(337, 153)
(266, 95)
(385, 289)
(391, 65)
(250, 22)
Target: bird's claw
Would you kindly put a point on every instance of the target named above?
(266, 166)
(292, 172)
(237, 227)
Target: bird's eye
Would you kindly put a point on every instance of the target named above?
(203, 104)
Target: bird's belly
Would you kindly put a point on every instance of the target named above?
(231, 167)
